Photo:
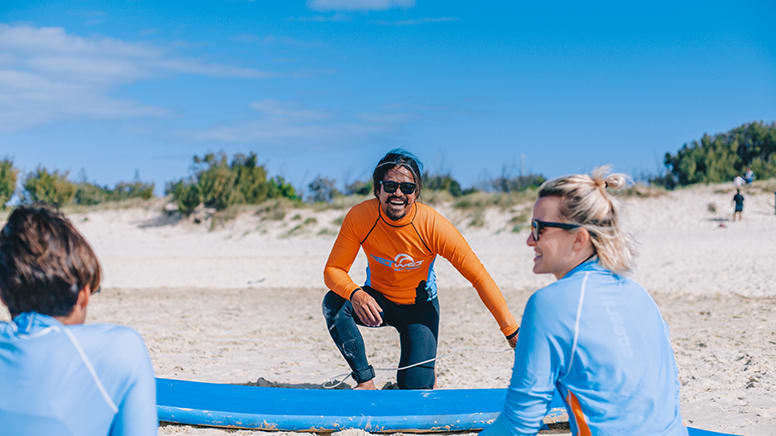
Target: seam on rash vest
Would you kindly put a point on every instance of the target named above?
(370, 230)
(89, 366)
(420, 237)
(576, 323)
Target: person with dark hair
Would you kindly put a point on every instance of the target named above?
(738, 199)
(401, 238)
(57, 375)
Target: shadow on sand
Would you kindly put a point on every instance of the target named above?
(264, 383)
(161, 220)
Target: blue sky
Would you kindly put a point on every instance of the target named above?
(328, 86)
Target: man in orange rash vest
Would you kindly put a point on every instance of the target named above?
(401, 238)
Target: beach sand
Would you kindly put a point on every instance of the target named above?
(242, 301)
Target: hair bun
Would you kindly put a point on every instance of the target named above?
(616, 181)
(604, 180)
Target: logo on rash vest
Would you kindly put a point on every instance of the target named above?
(402, 262)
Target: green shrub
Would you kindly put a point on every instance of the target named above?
(514, 184)
(481, 200)
(220, 184)
(719, 158)
(186, 196)
(442, 182)
(8, 176)
(48, 187)
(217, 187)
(88, 194)
(279, 188)
(436, 197)
(323, 189)
(127, 190)
(250, 178)
(359, 188)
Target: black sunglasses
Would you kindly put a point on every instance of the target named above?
(538, 225)
(389, 187)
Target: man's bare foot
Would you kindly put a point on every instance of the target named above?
(366, 386)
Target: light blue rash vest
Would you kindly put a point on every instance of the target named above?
(599, 339)
(79, 380)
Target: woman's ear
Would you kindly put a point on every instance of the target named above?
(582, 239)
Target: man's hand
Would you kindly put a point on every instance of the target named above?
(366, 308)
(513, 340)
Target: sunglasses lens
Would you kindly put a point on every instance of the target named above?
(535, 230)
(407, 188)
(389, 186)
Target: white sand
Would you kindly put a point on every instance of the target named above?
(243, 301)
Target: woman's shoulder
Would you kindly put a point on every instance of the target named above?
(109, 335)
(556, 292)
(113, 349)
(571, 285)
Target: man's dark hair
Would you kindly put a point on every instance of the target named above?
(398, 158)
(44, 262)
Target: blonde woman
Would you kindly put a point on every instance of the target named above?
(594, 335)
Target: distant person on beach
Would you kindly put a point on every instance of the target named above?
(57, 375)
(401, 238)
(594, 335)
(738, 181)
(738, 199)
(749, 176)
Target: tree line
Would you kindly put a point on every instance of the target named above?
(42, 185)
(217, 181)
(721, 157)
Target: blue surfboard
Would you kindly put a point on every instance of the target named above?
(323, 410)
(309, 410)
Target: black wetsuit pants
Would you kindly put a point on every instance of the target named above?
(418, 327)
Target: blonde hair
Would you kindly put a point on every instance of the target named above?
(585, 200)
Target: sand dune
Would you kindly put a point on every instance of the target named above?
(243, 301)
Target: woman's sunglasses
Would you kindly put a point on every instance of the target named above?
(538, 225)
(389, 187)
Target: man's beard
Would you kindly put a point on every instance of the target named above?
(393, 216)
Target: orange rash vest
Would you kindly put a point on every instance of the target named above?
(401, 258)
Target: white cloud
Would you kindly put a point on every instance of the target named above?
(277, 110)
(269, 132)
(359, 5)
(334, 18)
(56, 40)
(276, 40)
(386, 118)
(214, 70)
(47, 74)
(416, 21)
(284, 122)
(91, 17)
